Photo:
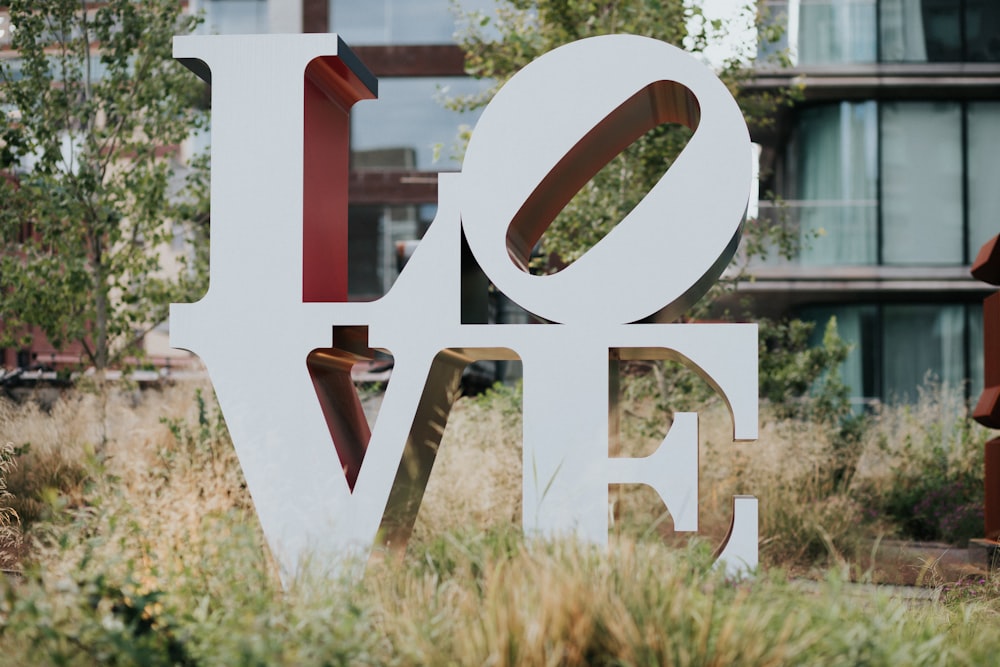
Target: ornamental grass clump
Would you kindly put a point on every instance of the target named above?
(157, 558)
(50, 451)
(10, 535)
(465, 597)
(922, 467)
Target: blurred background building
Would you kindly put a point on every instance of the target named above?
(889, 171)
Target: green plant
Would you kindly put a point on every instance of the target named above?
(928, 457)
(96, 108)
(802, 381)
(798, 380)
(943, 500)
(981, 589)
(161, 561)
(102, 621)
(469, 599)
(207, 444)
(506, 398)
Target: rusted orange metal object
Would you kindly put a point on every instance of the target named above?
(987, 411)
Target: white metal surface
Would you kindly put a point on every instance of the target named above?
(254, 332)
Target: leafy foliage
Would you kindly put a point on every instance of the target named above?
(803, 380)
(471, 599)
(161, 561)
(936, 492)
(96, 109)
(797, 379)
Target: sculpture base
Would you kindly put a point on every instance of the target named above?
(985, 553)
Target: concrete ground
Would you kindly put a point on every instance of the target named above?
(923, 564)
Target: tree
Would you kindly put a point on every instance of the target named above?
(96, 109)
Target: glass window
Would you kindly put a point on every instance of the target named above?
(233, 17)
(398, 21)
(922, 183)
(374, 237)
(921, 342)
(984, 194)
(920, 30)
(409, 118)
(828, 32)
(856, 326)
(836, 184)
(896, 348)
(942, 30)
(834, 31)
(982, 30)
(900, 183)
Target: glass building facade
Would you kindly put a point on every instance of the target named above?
(232, 17)
(408, 128)
(410, 113)
(898, 347)
(399, 22)
(893, 182)
(887, 172)
(825, 32)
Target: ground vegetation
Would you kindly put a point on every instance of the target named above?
(147, 551)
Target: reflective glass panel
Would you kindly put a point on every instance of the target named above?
(922, 183)
(897, 348)
(982, 30)
(376, 237)
(373, 22)
(835, 163)
(833, 31)
(857, 326)
(983, 165)
(409, 124)
(919, 343)
(920, 30)
(234, 17)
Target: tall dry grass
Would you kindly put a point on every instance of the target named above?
(169, 458)
(10, 535)
(821, 500)
(159, 460)
(149, 553)
(476, 480)
(482, 598)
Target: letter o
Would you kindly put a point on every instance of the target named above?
(553, 125)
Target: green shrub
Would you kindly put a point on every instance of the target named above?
(467, 598)
(930, 459)
(160, 560)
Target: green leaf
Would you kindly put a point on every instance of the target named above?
(88, 214)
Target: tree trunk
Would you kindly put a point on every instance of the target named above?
(100, 357)
(100, 308)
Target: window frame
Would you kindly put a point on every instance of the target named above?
(792, 179)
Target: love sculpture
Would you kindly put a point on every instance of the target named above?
(279, 337)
